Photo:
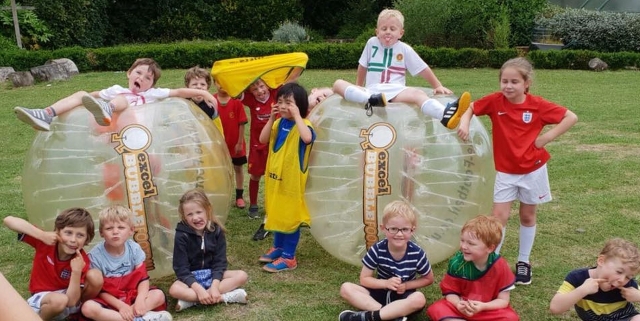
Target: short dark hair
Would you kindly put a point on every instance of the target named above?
(154, 67)
(76, 217)
(299, 95)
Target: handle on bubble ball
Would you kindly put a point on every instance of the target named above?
(369, 109)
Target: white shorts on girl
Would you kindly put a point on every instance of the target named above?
(35, 301)
(532, 188)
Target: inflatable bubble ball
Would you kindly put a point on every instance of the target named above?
(359, 164)
(146, 159)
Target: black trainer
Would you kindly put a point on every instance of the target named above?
(375, 100)
(348, 315)
(454, 111)
(261, 233)
(523, 273)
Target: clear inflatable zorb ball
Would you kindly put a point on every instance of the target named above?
(146, 159)
(359, 164)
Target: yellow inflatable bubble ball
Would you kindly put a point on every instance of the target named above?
(146, 159)
(361, 163)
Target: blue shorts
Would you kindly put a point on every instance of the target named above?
(203, 277)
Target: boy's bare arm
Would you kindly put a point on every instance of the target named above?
(562, 302)
(140, 306)
(188, 93)
(12, 305)
(431, 78)
(22, 226)
(73, 289)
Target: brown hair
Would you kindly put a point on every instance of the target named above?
(522, 66)
(486, 228)
(401, 209)
(115, 213)
(154, 68)
(625, 251)
(198, 196)
(76, 217)
(197, 72)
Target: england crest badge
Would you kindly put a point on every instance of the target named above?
(526, 117)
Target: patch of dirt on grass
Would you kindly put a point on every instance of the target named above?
(613, 151)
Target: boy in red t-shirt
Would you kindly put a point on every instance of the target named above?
(60, 277)
(259, 98)
(233, 117)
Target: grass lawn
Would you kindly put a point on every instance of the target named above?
(594, 174)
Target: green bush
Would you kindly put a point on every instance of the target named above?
(33, 31)
(290, 32)
(469, 23)
(595, 30)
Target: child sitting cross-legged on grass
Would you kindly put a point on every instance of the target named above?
(142, 76)
(478, 281)
(126, 293)
(402, 268)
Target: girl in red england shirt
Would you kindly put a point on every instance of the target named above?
(517, 118)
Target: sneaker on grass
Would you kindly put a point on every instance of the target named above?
(281, 264)
(182, 305)
(523, 273)
(235, 296)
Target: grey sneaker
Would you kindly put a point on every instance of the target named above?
(36, 118)
(157, 316)
(100, 109)
(376, 100)
(235, 296)
(182, 305)
(253, 212)
(348, 315)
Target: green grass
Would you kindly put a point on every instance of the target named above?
(594, 174)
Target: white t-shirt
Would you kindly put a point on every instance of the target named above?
(389, 64)
(145, 97)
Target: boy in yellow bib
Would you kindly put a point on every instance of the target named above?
(290, 140)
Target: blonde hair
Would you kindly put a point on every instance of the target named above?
(197, 72)
(154, 67)
(199, 197)
(115, 213)
(625, 251)
(486, 228)
(522, 66)
(391, 13)
(399, 209)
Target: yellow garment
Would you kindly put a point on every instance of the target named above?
(236, 74)
(285, 182)
(218, 123)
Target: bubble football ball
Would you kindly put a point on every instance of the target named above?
(146, 159)
(359, 164)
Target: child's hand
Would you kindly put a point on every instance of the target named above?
(77, 263)
(393, 283)
(238, 148)
(475, 306)
(274, 112)
(126, 312)
(630, 294)
(592, 285)
(215, 294)
(401, 288)
(49, 238)
(204, 297)
(442, 90)
(463, 130)
(293, 111)
(140, 307)
(464, 308)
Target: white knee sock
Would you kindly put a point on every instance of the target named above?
(504, 232)
(433, 108)
(356, 95)
(527, 236)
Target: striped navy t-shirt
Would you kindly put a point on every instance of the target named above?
(412, 263)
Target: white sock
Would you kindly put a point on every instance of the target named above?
(356, 95)
(504, 232)
(527, 236)
(433, 108)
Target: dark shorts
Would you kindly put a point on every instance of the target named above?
(239, 161)
(385, 297)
